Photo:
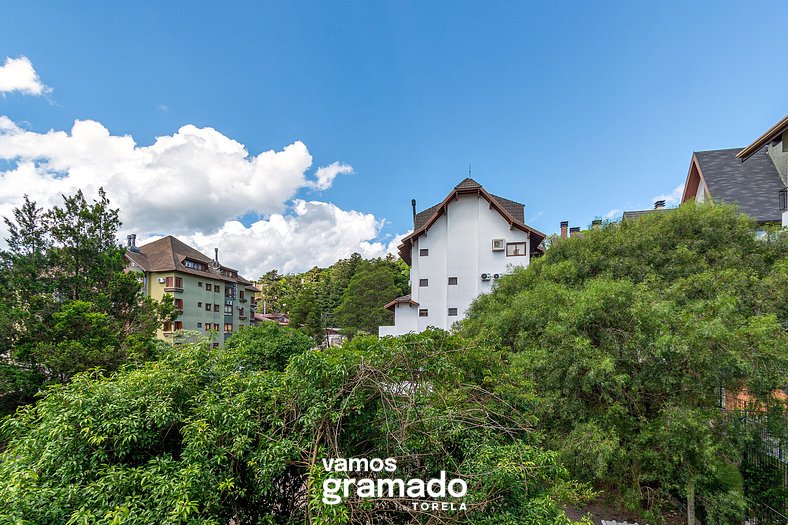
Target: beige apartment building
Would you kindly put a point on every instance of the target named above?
(210, 297)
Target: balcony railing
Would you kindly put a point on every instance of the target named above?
(784, 199)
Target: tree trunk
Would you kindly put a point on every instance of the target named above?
(691, 503)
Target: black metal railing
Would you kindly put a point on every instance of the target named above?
(764, 467)
(784, 199)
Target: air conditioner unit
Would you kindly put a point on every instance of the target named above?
(498, 245)
(496, 276)
(485, 277)
(161, 280)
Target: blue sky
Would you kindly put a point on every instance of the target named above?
(573, 108)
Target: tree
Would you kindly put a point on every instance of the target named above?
(267, 347)
(362, 306)
(67, 304)
(313, 299)
(627, 336)
(206, 436)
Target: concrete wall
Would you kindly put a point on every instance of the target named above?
(779, 155)
(460, 245)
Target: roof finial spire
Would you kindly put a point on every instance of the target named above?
(469, 169)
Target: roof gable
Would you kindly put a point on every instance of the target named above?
(753, 184)
(513, 212)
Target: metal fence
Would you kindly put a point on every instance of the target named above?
(764, 468)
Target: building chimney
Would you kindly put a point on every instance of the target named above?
(574, 231)
(216, 256)
(596, 224)
(413, 205)
(659, 205)
(131, 243)
(564, 227)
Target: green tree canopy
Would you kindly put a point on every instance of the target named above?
(205, 436)
(66, 304)
(628, 335)
(362, 307)
(314, 299)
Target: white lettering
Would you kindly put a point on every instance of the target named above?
(365, 488)
(391, 465)
(457, 493)
(415, 488)
(391, 484)
(330, 488)
(436, 487)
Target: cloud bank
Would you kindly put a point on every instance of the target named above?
(17, 74)
(195, 184)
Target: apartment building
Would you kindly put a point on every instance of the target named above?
(211, 298)
(457, 250)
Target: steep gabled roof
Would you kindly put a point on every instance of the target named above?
(168, 254)
(753, 185)
(513, 212)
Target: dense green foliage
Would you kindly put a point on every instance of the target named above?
(627, 336)
(349, 295)
(267, 347)
(205, 435)
(65, 303)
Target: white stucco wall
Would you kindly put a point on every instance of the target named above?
(460, 245)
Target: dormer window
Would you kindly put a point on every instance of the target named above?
(194, 265)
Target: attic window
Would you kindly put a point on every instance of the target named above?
(194, 265)
(424, 252)
(424, 282)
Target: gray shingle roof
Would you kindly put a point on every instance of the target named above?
(753, 184)
(640, 213)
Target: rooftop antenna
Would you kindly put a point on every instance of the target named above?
(469, 169)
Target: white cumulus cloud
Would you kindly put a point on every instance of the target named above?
(18, 74)
(673, 198)
(195, 184)
(325, 176)
(313, 234)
